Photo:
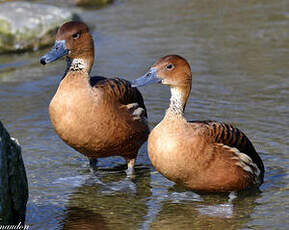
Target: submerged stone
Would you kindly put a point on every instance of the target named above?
(13, 181)
(29, 26)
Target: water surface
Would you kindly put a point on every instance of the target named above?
(239, 55)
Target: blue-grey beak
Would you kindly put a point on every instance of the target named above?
(57, 51)
(149, 78)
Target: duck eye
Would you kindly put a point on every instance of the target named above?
(76, 35)
(170, 66)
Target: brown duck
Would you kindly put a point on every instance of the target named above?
(206, 156)
(97, 116)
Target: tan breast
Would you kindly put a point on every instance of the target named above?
(168, 150)
(69, 109)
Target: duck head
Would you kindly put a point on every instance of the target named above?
(174, 71)
(171, 70)
(74, 41)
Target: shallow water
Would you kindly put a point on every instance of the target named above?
(239, 54)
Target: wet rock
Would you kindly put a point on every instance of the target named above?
(13, 181)
(92, 2)
(82, 3)
(29, 26)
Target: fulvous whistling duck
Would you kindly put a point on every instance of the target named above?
(206, 156)
(97, 116)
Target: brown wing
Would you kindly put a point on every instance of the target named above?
(229, 135)
(121, 89)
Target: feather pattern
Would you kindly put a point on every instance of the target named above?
(231, 136)
(120, 89)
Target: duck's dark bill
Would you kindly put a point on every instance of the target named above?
(57, 51)
(149, 78)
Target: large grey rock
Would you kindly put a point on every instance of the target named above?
(29, 26)
(13, 181)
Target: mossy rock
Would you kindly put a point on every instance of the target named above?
(29, 26)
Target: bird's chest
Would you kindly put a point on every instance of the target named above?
(165, 147)
(68, 111)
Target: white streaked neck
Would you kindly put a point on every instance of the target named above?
(77, 64)
(176, 102)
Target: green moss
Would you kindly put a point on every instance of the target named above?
(15, 38)
(25, 40)
(6, 37)
(6, 43)
(5, 26)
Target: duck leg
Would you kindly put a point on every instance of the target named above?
(130, 166)
(93, 164)
(232, 196)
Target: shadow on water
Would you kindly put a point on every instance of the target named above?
(213, 212)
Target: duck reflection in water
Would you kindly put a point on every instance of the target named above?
(154, 206)
(83, 219)
(209, 212)
(100, 204)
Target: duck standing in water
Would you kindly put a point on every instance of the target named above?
(205, 156)
(97, 116)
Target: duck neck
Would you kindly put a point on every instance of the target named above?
(178, 100)
(77, 65)
(83, 61)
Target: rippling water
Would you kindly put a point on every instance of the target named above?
(239, 54)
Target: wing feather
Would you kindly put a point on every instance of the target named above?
(120, 89)
(231, 136)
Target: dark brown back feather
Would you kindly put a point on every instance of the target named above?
(121, 89)
(233, 137)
